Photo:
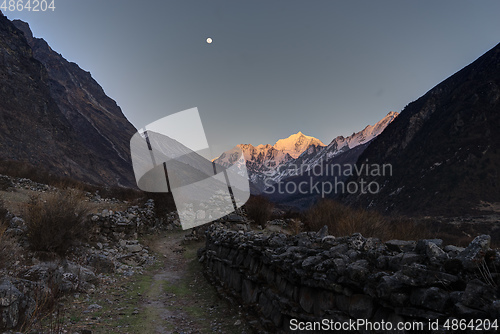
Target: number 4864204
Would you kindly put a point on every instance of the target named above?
(28, 5)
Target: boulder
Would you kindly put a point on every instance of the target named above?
(473, 255)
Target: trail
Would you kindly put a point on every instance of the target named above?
(179, 299)
(169, 297)
(168, 306)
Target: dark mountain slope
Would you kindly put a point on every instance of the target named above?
(444, 147)
(96, 119)
(67, 128)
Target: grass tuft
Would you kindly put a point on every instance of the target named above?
(343, 220)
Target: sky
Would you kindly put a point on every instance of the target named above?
(275, 67)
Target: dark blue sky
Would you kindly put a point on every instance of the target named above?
(323, 67)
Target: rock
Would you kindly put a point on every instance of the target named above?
(306, 299)
(233, 217)
(323, 232)
(473, 255)
(94, 307)
(409, 258)
(421, 245)
(453, 250)
(44, 272)
(134, 248)
(478, 295)
(241, 227)
(356, 241)
(11, 302)
(433, 252)
(358, 271)
(68, 277)
(14, 232)
(102, 264)
(311, 261)
(400, 245)
(17, 222)
(432, 298)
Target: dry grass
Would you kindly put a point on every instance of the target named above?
(259, 209)
(56, 222)
(343, 220)
(46, 315)
(36, 173)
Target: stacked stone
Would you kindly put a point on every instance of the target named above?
(315, 276)
(117, 225)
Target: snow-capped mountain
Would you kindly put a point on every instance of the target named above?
(296, 144)
(315, 156)
(342, 144)
(268, 164)
(267, 157)
(263, 160)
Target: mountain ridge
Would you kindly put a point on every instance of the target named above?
(444, 147)
(279, 161)
(98, 143)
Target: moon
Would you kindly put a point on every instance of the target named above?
(209, 40)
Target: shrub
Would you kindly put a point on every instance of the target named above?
(259, 209)
(56, 222)
(343, 220)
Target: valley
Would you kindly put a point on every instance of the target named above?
(398, 222)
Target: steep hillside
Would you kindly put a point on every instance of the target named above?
(444, 148)
(32, 128)
(95, 121)
(342, 144)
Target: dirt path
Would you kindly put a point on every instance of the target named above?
(170, 297)
(166, 296)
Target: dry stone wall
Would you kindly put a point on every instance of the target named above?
(315, 276)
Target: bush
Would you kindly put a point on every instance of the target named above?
(343, 220)
(259, 209)
(56, 222)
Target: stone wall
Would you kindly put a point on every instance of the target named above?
(135, 220)
(314, 276)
